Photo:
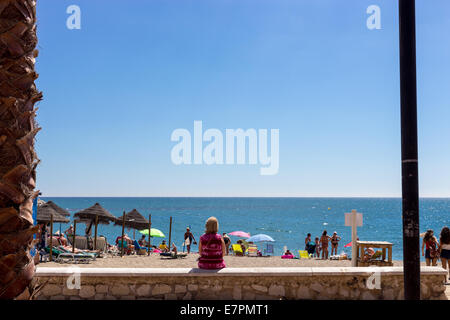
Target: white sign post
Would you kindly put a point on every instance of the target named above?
(354, 219)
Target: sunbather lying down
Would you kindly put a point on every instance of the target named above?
(173, 255)
(68, 249)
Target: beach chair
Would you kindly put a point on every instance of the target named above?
(268, 251)
(93, 253)
(252, 251)
(125, 247)
(237, 250)
(303, 254)
(62, 256)
(139, 250)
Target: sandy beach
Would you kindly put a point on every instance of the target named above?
(155, 261)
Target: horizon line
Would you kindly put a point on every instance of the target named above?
(269, 197)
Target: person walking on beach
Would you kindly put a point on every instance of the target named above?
(188, 235)
(430, 244)
(211, 247)
(444, 248)
(334, 243)
(227, 241)
(324, 239)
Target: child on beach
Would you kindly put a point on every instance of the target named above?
(211, 247)
(324, 239)
(317, 253)
(287, 255)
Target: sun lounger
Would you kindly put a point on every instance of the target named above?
(62, 256)
(237, 250)
(94, 253)
(303, 254)
(126, 250)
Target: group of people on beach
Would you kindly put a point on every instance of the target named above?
(435, 250)
(321, 245)
(43, 236)
(213, 247)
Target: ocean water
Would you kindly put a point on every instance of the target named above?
(287, 220)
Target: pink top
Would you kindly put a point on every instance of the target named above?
(211, 256)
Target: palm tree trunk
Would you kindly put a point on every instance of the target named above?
(18, 161)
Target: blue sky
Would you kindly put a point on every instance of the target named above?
(115, 90)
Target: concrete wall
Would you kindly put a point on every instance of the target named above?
(235, 283)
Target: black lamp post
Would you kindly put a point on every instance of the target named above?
(410, 184)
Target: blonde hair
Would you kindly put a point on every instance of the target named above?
(212, 225)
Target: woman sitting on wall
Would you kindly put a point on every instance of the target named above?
(211, 247)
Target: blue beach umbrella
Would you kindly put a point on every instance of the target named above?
(260, 238)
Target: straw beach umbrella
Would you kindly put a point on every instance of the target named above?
(58, 209)
(133, 220)
(94, 215)
(95, 212)
(61, 211)
(45, 212)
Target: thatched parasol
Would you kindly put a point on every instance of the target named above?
(45, 211)
(93, 216)
(58, 209)
(134, 220)
(91, 213)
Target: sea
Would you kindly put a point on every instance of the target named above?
(286, 220)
